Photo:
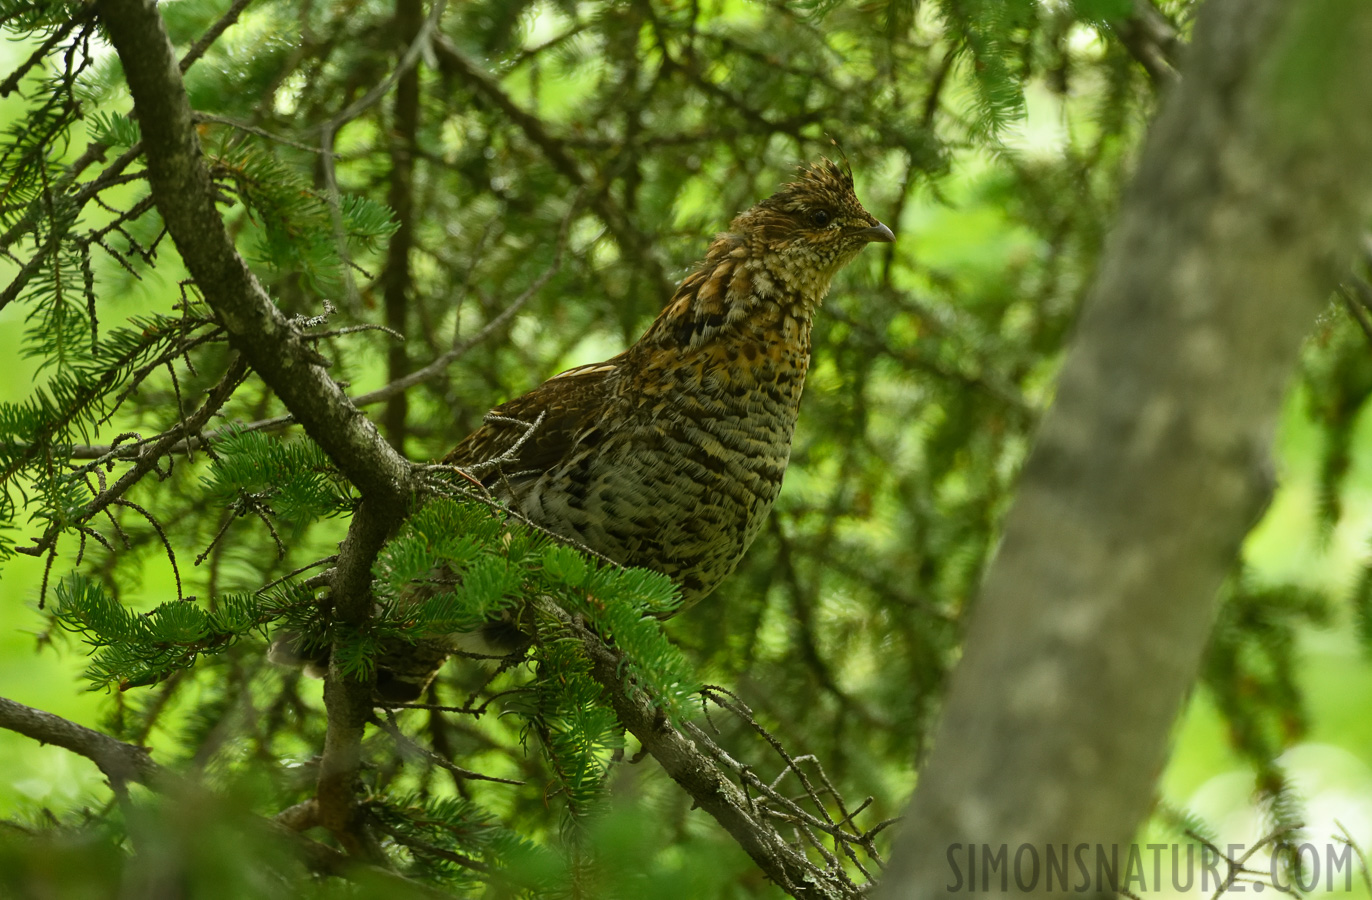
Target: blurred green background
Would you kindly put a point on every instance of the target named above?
(966, 232)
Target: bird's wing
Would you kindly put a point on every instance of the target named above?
(532, 433)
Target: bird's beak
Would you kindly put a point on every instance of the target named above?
(879, 233)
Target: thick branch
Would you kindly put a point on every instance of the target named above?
(1152, 41)
(119, 761)
(700, 777)
(348, 699)
(181, 186)
(279, 353)
(1153, 463)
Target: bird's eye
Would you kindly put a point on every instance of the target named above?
(819, 218)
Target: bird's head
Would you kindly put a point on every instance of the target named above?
(810, 228)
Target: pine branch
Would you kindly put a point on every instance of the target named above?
(184, 193)
(148, 457)
(281, 355)
(432, 370)
(702, 778)
(96, 151)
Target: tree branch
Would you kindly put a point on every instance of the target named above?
(409, 19)
(147, 457)
(120, 762)
(182, 188)
(348, 699)
(280, 354)
(433, 369)
(207, 39)
(1152, 41)
(700, 777)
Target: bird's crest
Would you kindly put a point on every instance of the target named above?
(823, 181)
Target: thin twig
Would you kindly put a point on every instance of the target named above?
(391, 727)
(459, 350)
(147, 458)
(209, 37)
(260, 132)
(318, 562)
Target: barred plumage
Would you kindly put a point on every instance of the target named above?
(669, 455)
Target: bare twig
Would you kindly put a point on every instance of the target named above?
(305, 568)
(253, 129)
(11, 83)
(407, 745)
(441, 363)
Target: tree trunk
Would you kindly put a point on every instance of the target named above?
(1153, 462)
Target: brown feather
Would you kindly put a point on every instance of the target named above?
(670, 455)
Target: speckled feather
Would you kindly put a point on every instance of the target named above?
(670, 455)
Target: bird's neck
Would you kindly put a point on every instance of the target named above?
(741, 292)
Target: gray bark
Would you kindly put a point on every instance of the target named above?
(1153, 462)
(278, 353)
(261, 332)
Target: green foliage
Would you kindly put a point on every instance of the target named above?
(439, 836)
(136, 650)
(112, 129)
(293, 480)
(486, 566)
(996, 35)
(84, 391)
(456, 565)
(1338, 382)
(296, 228)
(1251, 666)
(933, 360)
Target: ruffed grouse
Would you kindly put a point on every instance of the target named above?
(669, 455)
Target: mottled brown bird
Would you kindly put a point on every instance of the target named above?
(669, 455)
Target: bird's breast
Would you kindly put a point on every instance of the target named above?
(688, 460)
